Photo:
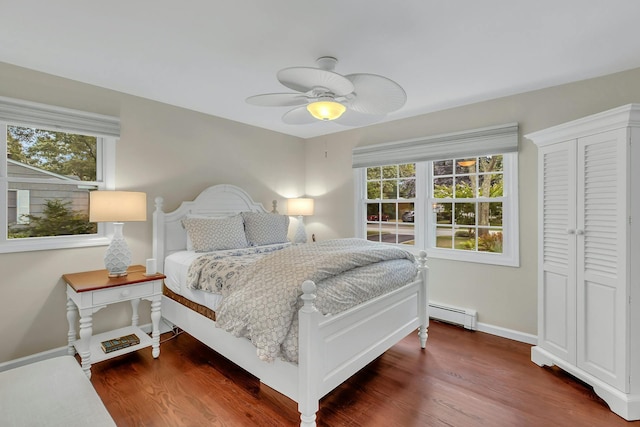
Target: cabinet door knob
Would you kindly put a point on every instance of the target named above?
(580, 232)
(571, 231)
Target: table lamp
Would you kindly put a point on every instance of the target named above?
(300, 207)
(117, 207)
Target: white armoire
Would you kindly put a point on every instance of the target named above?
(589, 253)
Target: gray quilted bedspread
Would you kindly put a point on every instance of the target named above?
(217, 271)
(263, 301)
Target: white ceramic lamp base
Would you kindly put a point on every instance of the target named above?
(118, 256)
(301, 233)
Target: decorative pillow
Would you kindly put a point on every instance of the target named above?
(212, 234)
(189, 242)
(265, 228)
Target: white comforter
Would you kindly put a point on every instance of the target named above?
(262, 300)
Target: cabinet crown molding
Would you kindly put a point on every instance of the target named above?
(623, 116)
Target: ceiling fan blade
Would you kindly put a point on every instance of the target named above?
(376, 94)
(278, 99)
(298, 116)
(305, 79)
(355, 118)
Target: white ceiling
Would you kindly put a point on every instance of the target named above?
(209, 55)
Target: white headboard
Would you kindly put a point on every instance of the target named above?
(219, 200)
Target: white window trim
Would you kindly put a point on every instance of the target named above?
(23, 113)
(491, 140)
(360, 182)
(510, 226)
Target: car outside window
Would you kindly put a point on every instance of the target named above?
(460, 208)
(391, 192)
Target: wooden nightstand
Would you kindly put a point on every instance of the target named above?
(90, 291)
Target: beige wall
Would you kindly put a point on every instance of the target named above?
(503, 296)
(164, 151)
(176, 153)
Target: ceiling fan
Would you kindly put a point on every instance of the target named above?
(322, 94)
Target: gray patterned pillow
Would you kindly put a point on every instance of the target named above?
(265, 228)
(212, 234)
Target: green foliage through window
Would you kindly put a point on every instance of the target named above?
(57, 219)
(54, 171)
(391, 191)
(66, 154)
(465, 184)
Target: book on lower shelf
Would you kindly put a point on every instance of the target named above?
(119, 343)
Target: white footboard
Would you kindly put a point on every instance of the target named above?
(332, 348)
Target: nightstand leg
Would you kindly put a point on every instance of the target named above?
(134, 306)
(155, 321)
(84, 345)
(72, 316)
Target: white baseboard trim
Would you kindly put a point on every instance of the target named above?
(508, 333)
(49, 354)
(61, 351)
(468, 318)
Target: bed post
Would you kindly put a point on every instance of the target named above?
(308, 357)
(158, 234)
(423, 297)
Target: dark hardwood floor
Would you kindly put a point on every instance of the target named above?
(462, 378)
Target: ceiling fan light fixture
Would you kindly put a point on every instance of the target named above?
(326, 110)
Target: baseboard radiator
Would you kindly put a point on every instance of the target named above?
(459, 316)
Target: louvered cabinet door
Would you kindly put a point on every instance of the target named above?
(557, 271)
(601, 232)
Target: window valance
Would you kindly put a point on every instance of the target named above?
(478, 142)
(27, 113)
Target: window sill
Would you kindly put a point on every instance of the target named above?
(477, 257)
(49, 243)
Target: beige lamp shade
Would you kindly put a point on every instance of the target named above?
(301, 206)
(117, 206)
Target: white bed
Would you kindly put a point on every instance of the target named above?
(331, 347)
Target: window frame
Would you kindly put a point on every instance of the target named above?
(360, 210)
(494, 140)
(424, 226)
(397, 200)
(27, 114)
(510, 224)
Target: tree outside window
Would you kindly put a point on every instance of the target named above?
(467, 203)
(55, 170)
(461, 207)
(390, 201)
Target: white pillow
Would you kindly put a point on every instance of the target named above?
(265, 228)
(212, 234)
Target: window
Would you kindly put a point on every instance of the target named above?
(463, 207)
(466, 198)
(54, 158)
(391, 192)
(472, 205)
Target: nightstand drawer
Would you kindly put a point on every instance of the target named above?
(122, 293)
